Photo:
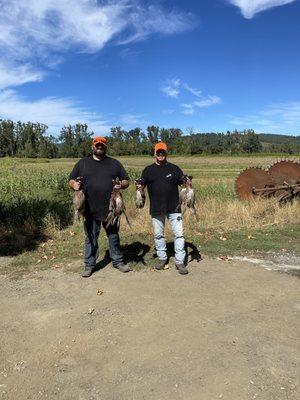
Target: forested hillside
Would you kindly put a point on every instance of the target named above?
(30, 139)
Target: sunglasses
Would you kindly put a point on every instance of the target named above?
(99, 146)
(161, 153)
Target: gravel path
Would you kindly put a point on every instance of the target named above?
(228, 330)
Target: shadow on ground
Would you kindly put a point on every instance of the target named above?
(192, 252)
(132, 253)
(23, 221)
(15, 241)
(138, 253)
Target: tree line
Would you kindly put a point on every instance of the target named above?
(18, 139)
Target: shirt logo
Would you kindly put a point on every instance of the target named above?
(169, 176)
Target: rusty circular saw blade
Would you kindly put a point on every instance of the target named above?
(252, 178)
(285, 171)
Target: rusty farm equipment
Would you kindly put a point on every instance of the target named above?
(281, 181)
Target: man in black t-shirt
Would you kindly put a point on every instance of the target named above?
(98, 172)
(162, 179)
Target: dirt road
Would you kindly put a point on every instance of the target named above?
(225, 331)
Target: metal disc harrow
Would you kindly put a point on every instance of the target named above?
(281, 180)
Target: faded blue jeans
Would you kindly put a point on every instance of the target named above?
(158, 223)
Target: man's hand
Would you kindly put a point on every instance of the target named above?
(138, 183)
(118, 186)
(121, 185)
(75, 185)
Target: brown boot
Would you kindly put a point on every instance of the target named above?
(87, 272)
(182, 269)
(122, 267)
(161, 264)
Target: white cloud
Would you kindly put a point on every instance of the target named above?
(188, 109)
(195, 92)
(56, 112)
(17, 75)
(207, 101)
(34, 27)
(171, 88)
(203, 102)
(289, 112)
(35, 32)
(131, 120)
(52, 111)
(174, 87)
(281, 118)
(251, 7)
(35, 35)
(144, 21)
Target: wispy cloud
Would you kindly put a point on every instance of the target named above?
(281, 118)
(56, 112)
(208, 101)
(188, 109)
(174, 88)
(203, 102)
(52, 111)
(11, 76)
(171, 88)
(251, 7)
(34, 32)
(131, 120)
(195, 92)
(35, 35)
(144, 21)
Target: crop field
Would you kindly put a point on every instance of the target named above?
(36, 210)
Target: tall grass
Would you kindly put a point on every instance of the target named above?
(35, 192)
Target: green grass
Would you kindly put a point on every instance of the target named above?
(36, 213)
(66, 250)
(242, 241)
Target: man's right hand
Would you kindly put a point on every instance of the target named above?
(75, 185)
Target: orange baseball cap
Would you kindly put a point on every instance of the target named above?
(160, 146)
(99, 139)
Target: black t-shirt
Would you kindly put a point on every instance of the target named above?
(98, 182)
(162, 183)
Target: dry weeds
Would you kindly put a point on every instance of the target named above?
(216, 214)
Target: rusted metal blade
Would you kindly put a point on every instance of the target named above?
(285, 171)
(252, 178)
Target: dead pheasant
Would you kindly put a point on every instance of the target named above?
(116, 206)
(187, 195)
(139, 194)
(79, 200)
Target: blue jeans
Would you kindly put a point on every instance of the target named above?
(158, 223)
(92, 230)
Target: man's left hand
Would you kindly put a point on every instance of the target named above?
(118, 186)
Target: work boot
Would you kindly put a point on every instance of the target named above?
(182, 269)
(87, 272)
(161, 264)
(122, 267)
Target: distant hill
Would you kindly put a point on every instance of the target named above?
(279, 143)
(278, 139)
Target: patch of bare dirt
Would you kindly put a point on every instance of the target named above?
(283, 262)
(228, 330)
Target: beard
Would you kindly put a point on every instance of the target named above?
(99, 152)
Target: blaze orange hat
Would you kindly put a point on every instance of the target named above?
(100, 139)
(160, 146)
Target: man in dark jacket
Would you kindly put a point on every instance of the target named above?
(98, 172)
(162, 179)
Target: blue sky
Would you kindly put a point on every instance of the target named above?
(206, 65)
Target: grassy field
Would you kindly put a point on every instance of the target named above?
(36, 212)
